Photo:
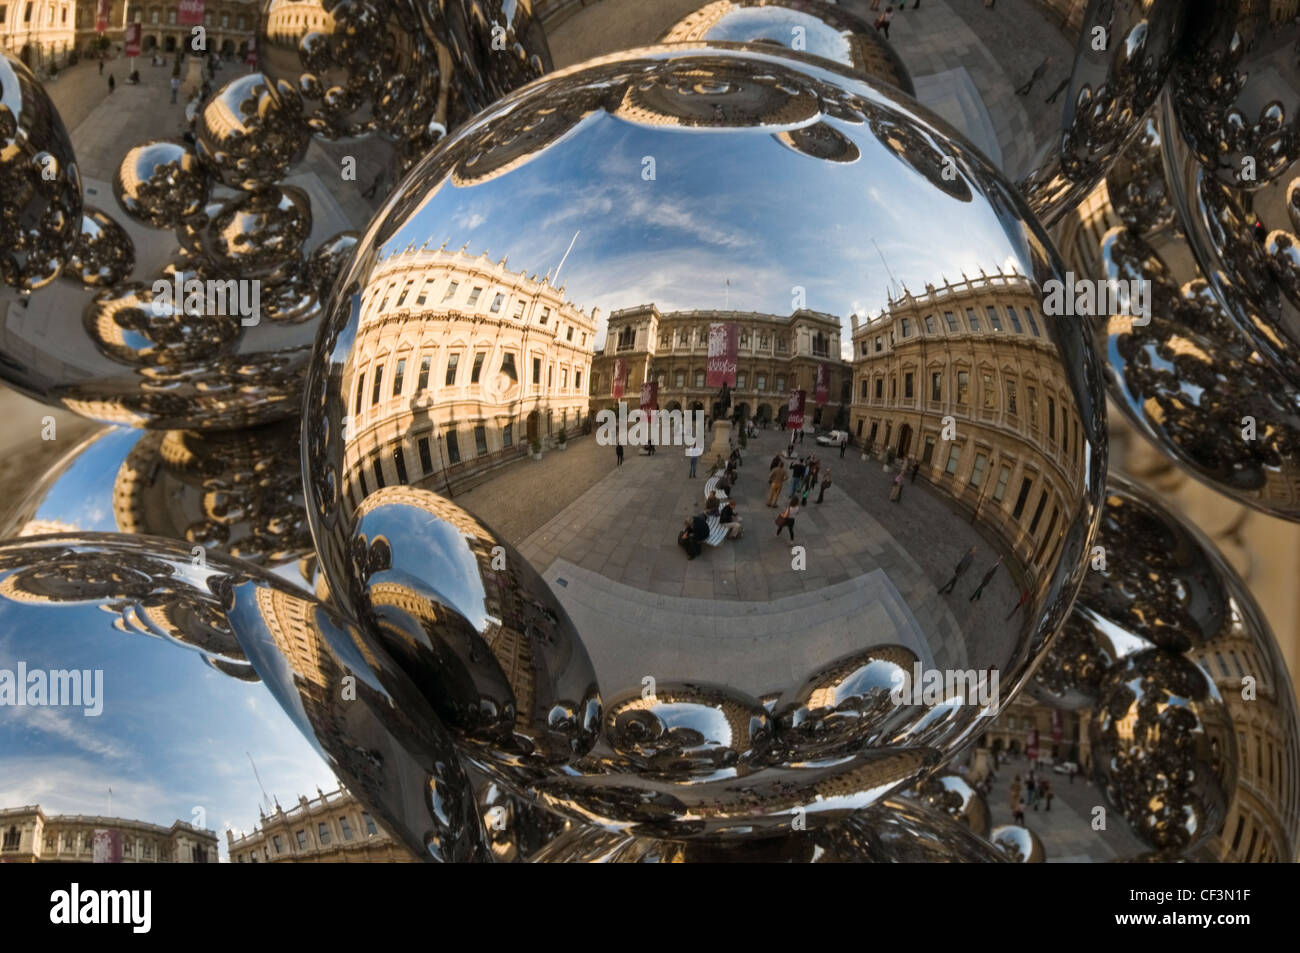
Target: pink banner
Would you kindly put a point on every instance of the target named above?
(650, 395)
(723, 350)
(620, 378)
(1031, 744)
(101, 15)
(1058, 726)
(251, 56)
(107, 845)
(190, 12)
(794, 409)
(823, 390)
(132, 43)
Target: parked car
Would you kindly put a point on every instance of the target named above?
(1065, 767)
(832, 438)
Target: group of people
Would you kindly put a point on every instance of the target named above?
(959, 570)
(696, 530)
(1037, 791)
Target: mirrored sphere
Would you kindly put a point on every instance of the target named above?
(257, 233)
(161, 182)
(463, 412)
(819, 29)
(249, 135)
(1018, 844)
(40, 187)
(192, 668)
(953, 795)
(103, 253)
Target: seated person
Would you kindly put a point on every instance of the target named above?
(700, 527)
(734, 460)
(732, 474)
(711, 507)
(686, 539)
(729, 519)
(725, 482)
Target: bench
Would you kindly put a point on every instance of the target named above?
(711, 486)
(717, 531)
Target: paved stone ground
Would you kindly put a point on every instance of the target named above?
(1066, 830)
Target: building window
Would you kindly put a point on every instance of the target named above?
(423, 296)
(951, 320)
(378, 385)
(302, 839)
(473, 297)
(49, 838)
(936, 385)
(497, 302)
(399, 464)
(863, 389)
(680, 380)
(1051, 418)
(279, 843)
(972, 319)
(453, 447)
(508, 435)
(780, 384)
(537, 371)
(1033, 325)
(422, 382)
(977, 471)
(27, 14)
(665, 339)
(369, 822)
(1000, 489)
(451, 291)
(564, 378)
(569, 334)
(626, 339)
(994, 320)
(1011, 397)
(477, 370)
(346, 826)
(988, 390)
(1031, 395)
(929, 451)
(1038, 512)
(519, 311)
(699, 378)
(508, 367)
(480, 440)
(550, 376)
(426, 461)
(762, 382)
(377, 467)
(963, 387)
(880, 388)
(930, 326)
(1015, 320)
(1025, 486)
(577, 381)
(399, 376)
(546, 316)
(954, 457)
(323, 833)
(361, 389)
(406, 290)
(453, 360)
(880, 343)
(906, 324)
(907, 385)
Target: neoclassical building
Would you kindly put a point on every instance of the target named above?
(229, 24)
(975, 350)
(38, 32)
(459, 365)
(332, 828)
(777, 354)
(29, 835)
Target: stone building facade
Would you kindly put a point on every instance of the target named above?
(229, 25)
(38, 32)
(29, 835)
(777, 354)
(332, 828)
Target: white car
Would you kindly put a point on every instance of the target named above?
(1065, 767)
(832, 439)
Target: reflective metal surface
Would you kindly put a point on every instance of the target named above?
(161, 182)
(249, 135)
(953, 794)
(256, 234)
(40, 187)
(819, 29)
(103, 253)
(1018, 844)
(197, 669)
(895, 831)
(440, 367)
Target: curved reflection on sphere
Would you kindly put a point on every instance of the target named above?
(255, 234)
(448, 354)
(895, 831)
(249, 135)
(1181, 732)
(953, 794)
(103, 253)
(233, 492)
(160, 183)
(823, 30)
(177, 641)
(40, 187)
(1018, 844)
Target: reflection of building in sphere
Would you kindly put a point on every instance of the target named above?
(776, 354)
(459, 364)
(229, 25)
(718, 95)
(975, 351)
(333, 828)
(29, 835)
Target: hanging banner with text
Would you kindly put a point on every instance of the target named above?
(823, 390)
(724, 347)
(190, 12)
(132, 43)
(650, 395)
(106, 848)
(620, 378)
(103, 8)
(794, 410)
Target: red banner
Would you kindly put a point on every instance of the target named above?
(620, 378)
(1031, 744)
(1058, 726)
(823, 390)
(650, 395)
(101, 15)
(251, 56)
(190, 12)
(724, 346)
(794, 409)
(107, 845)
(132, 44)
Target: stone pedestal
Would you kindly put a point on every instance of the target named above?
(721, 445)
(192, 81)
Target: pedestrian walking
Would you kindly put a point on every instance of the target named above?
(988, 577)
(618, 452)
(101, 66)
(896, 492)
(844, 445)
(693, 454)
(912, 467)
(790, 450)
(1024, 597)
(1072, 771)
(960, 568)
(826, 481)
(796, 474)
(1047, 794)
(882, 22)
(775, 480)
(176, 87)
(801, 435)
(786, 519)
(1034, 77)
(1057, 92)
(111, 82)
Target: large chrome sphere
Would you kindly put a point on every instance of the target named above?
(577, 242)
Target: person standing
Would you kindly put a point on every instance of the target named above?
(786, 519)
(912, 467)
(176, 87)
(796, 474)
(1017, 812)
(988, 577)
(844, 445)
(961, 567)
(882, 24)
(1057, 92)
(1034, 77)
(111, 82)
(101, 66)
(775, 480)
(618, 452)
(1047, 794)
(1024, 597)
(826, 481)
(896, 492)
(693, 454)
